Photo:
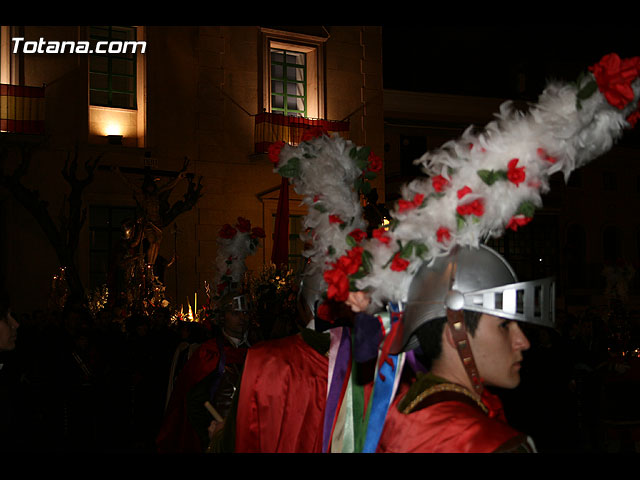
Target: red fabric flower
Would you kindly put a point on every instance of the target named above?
(443, 234)
(381, 235)
(514, 174)
(406, 205)
(399, 264)
(463, 191)
(474, 208)
(543, 154)
(439, 183)
(358, 235)
(633, 118)
(338, 284)
(351, 261)
(274, 151)
(517, 221)
(335, 219)
(243, 225)
(614, 77)
(324, 312)
(311, 133)
(227, 231)
(375, 163)
(257, 232)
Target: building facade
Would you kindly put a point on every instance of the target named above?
(210, 98)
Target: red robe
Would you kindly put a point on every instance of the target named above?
(176, 434)
(450, 426)
(282, 398)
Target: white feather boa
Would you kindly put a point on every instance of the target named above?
(324, 170)
(504, 168)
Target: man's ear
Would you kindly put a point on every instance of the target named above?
(447, 336)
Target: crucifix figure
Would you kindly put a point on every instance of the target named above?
(149, 198)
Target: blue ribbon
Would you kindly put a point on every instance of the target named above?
(383, 389)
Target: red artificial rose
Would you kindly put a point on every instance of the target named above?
(350, 263)
(614, 77)
(405, 205)
(443, 234)
(399, 264)
(543, 154)
(439, 183)
(358, 235)
(517, 221)
(257, 232)
(463, 191)
(474, 208)
(380, 234)
(633, 118)
(274, 151)
(338, 284)
(375, 163)
(324, 312)
(311, 133)
(227, 231)
(514, 174)
(243, 225)
(335, 219)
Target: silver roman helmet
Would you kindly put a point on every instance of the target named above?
(476, 279)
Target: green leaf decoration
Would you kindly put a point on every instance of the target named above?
(421, 249)
(370, 175)
(366, 188)
(527, 209)
(460, 221)
(331, 250)
(407, 250)
(491, 176)
(320, 207)
(587, 90)
(291, 169)
(366, 260)
(351, 241)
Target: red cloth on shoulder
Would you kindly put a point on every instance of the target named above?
(444, 427)
(282, 398)
(176, 434)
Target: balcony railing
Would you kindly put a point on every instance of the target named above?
(275, 127)
(21, 109)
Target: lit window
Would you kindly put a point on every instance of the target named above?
(288, 82)
(112, 76)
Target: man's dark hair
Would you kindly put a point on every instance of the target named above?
(430, 335)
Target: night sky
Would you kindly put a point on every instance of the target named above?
(486, 61)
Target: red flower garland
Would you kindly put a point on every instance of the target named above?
(474, 208)
(439, 183)
(274, 151)
(463, 191)
(358, 235)
(443, 234)
(399, 264)
(375, 163)
(614, 77)
(335, 219)
(514, 174)
(406, 205)
(517, 221)
(381, 235)
(227, 231)
(243, 225)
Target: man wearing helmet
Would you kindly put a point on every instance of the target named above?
(463, 312)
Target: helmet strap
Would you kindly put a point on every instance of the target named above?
(455, 319)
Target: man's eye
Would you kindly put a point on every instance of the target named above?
(505, 324)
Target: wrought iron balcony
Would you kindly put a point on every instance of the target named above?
(274, 127)
(21, 109)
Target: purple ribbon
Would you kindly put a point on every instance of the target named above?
(340, 368)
